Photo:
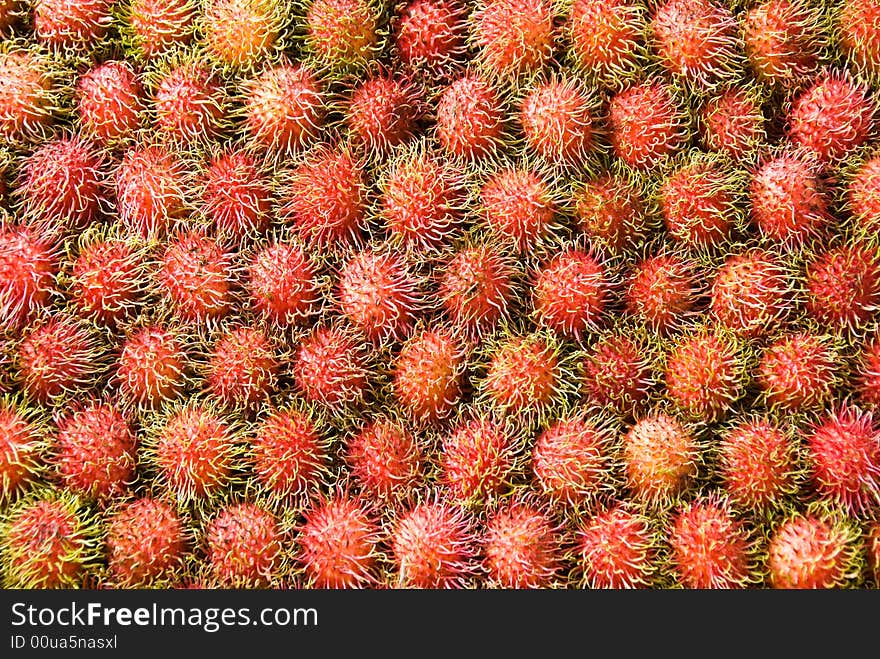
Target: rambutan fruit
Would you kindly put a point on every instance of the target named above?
(646, 124)
(193, 451)
(832, 117)
(283, 107)
(94, 451)
(385, 460)
(62, 185)
(661, 458)
(289, 454)
(573, 463)
(711, 548)
(705, 374)
(733, 122)
(156, 27)
(428, 374)
(788, 199)
(842, 286)
(109, 102)
(57, 356)
(324, 198)
(751, 293)
(477, 461)
(700, 202)
(339, 544)
(189, 103)
(71, 24)
(570, 293)
(521, 545)
(782, 41)
(556, 117)
(518, 206)
(524, 375)
(430, 35)
(342, 34)
(282, 282)
(151, 368)
(662, 290)
(194, 276)
(151, 186)
(606, 38)
(242, 367)
(422, 200)
(48, 540)
(236, 195)
(514, 37)
(27, 94)
(862, 194)
(378, 294)
(797, 371)
(470, 118)
(330, 367)
(21, 449)
(610, 209)
(476, 286)
(618, 548)
(812, 551)
(107, 279)
(696, 40)
(757, 464)
(146, 544)
(244, 547)
(241, 33)
(843, 449)
(28, 266)
(867, 375)
(855, 25)
(383, 112)
(433, 546)
(617, 373)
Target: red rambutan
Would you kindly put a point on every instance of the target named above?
(385, 460)
(27, 94)
(518, 206)
(282, 283)
(342, 34)
(477, 461)
(617, 373)
(28, 266)
(797, 371)
(109, 101)
(428, 374)
(382, 113)
(244, 547)
(843, 286)
(662, 291)
(557, 120)
(606, 37)
(476, 285)
(107, 280)
(241, 33)
(733, 122)
(524, 376)
(155, 27)
(514, 37)
(470, 118)
(782, 40)
(237, 197)
(242, 368)
(21, 450)
(329, 367)
(570, 293)
(618, 548)
(151, 189)
(71, 24)
(430, 35)
(522, 547)
(610, 209)
(151, 368)
(189, 103)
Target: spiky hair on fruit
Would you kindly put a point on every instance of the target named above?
(110, 101)
(29, 263)
(813, 549)
(433, 545)
(387, 460)
(69, 26)
(344, 35)
(705, 373)
(193, 452)
(861, 190)
(865, 378)
(619, 547)
(283, 106)
(611, 209)
(733, 122)
(152, 366)
(711, 546)
(50, 539)
(430, 36)
(30, 97)
(331, 367)
(701, 200)
(843, 452)
(647, 123)
(513, 38)
(470, 117)
(619, 370)
(758, 463)
(857, 35)
(663, 289)
(240, 34)
(339, 542)
(146, 545)
(662, 457)
(324, 197)
(574, 461)
(422, 200)
(606, 39)
(522, 545)
(154, 28)
(24, 447)
(783, 41)
(696, 40)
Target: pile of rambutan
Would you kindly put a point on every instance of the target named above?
(440, 294)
